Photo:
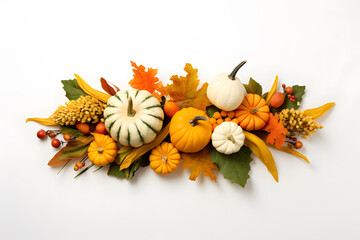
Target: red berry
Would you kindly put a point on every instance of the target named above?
(83, 163)
(52, 134)
(55, 143)
(293, 97)
(289, 90)
(67, 137)
(41, 134)
(294, 139)
(298, 145)
(293, 100)
(283, 85)
(289, 96)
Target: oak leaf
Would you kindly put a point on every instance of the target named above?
(199, 162)
(184, 91)
(147, 80)
(277, 131)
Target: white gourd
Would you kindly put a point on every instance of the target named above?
(228, 138)
(133, 117)
(226, 91)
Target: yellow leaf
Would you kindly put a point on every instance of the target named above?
(43, 121)
(259, 148)
(199, 162)
(272, 91)
(104, 97)
(318, 112)
(136, 153)
(122, 153)
(291, 151)
(184, 92)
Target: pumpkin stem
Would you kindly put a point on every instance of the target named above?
(164, 158)
(236, 69)
(231, 138)
(130, 111)
(254, 110)
(100, 150)
(195, 120)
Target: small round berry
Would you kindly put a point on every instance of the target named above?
(283, 86)
(217, 115)
(76, 168)
(293, 97)
(289, 90)
(41, 134)
(83, 163)
(51, 134)
(293, 100)
(289, 96)
(67, 137)
(294, 139)
(298, 144)
(79, 165)
(55, 143)
(290, 145)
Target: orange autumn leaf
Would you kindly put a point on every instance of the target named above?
(184, 91)
(199, 162)
(277, 131)
(147, 80)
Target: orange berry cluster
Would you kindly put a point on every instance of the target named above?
(78, 165)
(223, 116)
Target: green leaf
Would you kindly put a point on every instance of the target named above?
(128, 173)
(264, 96)
(70, 130)
(234, 167)
(72, 89)
(210, 110)
(298, 92)
(253, 87)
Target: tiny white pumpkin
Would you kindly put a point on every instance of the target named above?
(228, 138)
(133, 117)
(226, 91)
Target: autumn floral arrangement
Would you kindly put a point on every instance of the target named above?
(217, 126)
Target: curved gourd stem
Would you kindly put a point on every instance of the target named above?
(236, 69)
(195, 120)
(130, 111)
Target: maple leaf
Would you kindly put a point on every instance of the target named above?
(184, 91)
(147, 80)
(199, 162)
(277, 131)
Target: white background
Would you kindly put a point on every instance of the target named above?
(312, 43)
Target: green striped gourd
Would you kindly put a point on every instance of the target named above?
(133, 117)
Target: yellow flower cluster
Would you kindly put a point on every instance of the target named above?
(298, 122)
(85, 109)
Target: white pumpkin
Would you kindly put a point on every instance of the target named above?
(228, 138)
(133, 117)
(226, 91)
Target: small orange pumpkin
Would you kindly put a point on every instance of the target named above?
(164, 159)
(102, 150)
(190, 130)
(253, 113)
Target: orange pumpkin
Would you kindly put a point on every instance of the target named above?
(190, 130)
(253, 113)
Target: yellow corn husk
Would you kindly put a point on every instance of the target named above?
(272, 90)
(318, 112)
(122, 153)
(104, 97)
(43, 121)
(291, 151)
(259, 148)
(138, 152)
